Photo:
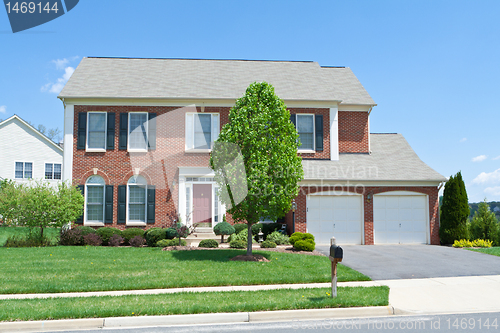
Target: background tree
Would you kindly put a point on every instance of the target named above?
(454, 211)
(484, 224)
(270, 169)
(38, 204)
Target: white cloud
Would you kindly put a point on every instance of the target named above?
(487, 178)
(496, 158)
(463, 139)
(3, 109)
(57, 87)
(492, 190)
(479, 158)
(60, 63)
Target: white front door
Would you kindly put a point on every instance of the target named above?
(400, 219)
(335, 216)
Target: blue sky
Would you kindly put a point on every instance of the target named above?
(431, 66)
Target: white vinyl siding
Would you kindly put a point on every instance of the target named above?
(202, 129)
(96, 131)
(305, 128)
(30, 146)
(138, 131)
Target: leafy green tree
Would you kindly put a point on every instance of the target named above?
(38, 204)
(484, 224)
(259, 178)
(223, 228)
(454, 211)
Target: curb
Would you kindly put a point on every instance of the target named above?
(194, 319)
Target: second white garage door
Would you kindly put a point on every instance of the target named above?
(335, 216)
(400, 219)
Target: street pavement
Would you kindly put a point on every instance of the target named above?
(385, 262)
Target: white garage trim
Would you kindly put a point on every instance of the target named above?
(312, 219)
(382, 225)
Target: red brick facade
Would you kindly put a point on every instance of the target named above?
(353, 132)
(432, 192)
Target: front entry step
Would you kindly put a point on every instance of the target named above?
(195, 238)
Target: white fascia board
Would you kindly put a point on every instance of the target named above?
(359, 108)
(69, 118)
(367, 183)
(186, 102)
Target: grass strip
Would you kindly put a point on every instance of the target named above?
(190, 303)
(79, 268)
(495, 251)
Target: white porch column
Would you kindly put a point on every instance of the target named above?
(69, 120)
(334, 133)
(182, 199)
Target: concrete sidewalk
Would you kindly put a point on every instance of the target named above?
(410, 296)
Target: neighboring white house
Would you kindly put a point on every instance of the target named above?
(25, 153)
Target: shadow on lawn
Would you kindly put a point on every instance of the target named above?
(212, 255)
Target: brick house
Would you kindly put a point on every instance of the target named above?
(138, 134)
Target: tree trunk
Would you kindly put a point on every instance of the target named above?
(180, 240)
(221, 238)
(249, 243)
(41, 232)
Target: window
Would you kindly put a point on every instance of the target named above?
(96, 136)
(137, 199)
(94, 198)
(52, 171)
(202, 129)
(24, 170)
(138, 131)
(305, 128)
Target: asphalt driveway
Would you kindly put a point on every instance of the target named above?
(386, 262)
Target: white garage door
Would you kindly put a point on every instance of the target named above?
(335, 216)
(400, 219)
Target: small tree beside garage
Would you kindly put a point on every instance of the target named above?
(454, 211)
(255, 158)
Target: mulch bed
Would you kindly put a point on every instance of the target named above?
(283, 249)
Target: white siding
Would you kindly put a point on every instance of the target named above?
(20, 143)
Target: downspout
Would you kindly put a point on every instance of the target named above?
(369, 137)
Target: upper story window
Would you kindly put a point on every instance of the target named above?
(24, 170)
(305, 128)
(202, 129)
(310, 130)
(96, 133)
(138, 131)
(52, 171)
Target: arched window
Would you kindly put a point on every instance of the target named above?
(137, 198)
(94, 199)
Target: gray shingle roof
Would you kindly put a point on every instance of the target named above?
(211, 79)
(392, 159)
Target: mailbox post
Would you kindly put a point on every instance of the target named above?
(336, 255)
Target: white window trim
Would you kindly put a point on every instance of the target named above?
(134, 222)
(24, 169)
(306, 150)
(94, 223)
(53, 163)
(96, 150)
(146, 127)
(213, 134)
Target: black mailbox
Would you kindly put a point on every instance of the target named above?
(336, 252)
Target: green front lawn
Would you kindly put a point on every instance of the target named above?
(6, 232)
(71, 269)
(188, 303)
(492, 250)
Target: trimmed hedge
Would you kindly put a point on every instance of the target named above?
(223, 228)
(300, 236)
(278, 238)
(106, 232)
(154, 235)
(130, 233)
(171, 233)
(209, 243)
(238, 244)
(304, 245)
(170, 242)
